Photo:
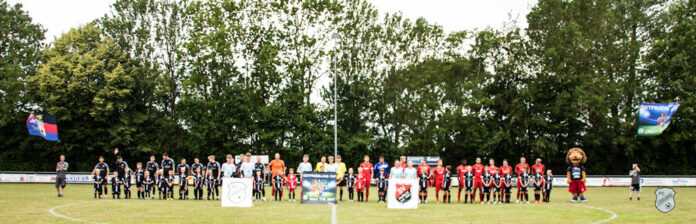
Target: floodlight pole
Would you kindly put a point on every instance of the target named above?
(336, 37)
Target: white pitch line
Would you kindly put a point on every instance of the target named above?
(56, 214)
(613, 215)
(333, 214)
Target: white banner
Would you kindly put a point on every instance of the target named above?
(237, 192)
(402, 193)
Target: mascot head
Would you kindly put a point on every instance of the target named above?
(576, 156)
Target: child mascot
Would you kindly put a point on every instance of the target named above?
(576, 174)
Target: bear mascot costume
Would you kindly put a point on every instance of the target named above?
(576, 174)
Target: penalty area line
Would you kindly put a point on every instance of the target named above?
(56, 214)
(613, 214)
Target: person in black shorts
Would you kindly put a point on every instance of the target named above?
(61, 169)
(215, 169)
(548, 184)
(423, 180)
(170, 185)
(126, 181)
(497, 184)
(198, 183)
(524, 183)
(183, 183)
(153, 168)
(447, 184)
(469, 185)
(278, 186)
(98, 181)
(104, 172)
(538, 181)
(139, 179)
(635, 182)
(148, 182)
(507, 181)
(116, 186)
(349, 179)
(487, 181)
(161, 185)
(382, 186)
(258, 185)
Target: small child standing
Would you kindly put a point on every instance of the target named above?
(382, 187)
(497, 193)
(423, 180)
(468, 185)
(183, 184)
(291, 182)
(116, 186)
(98, 181)
(278, 186)
(147, 185)
(198, 184)
(161, 185)
(507, 183)
(487, 181)
(170, 185)
(538, 181)
(548, 184)
(211, 183)
(446, 185)
(524, 183)
(258, 185)
(350, 182)
(360, 184)
(126, 181)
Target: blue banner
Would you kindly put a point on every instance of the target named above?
(318, 188)
(653, 118)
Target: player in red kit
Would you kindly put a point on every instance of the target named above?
(461, 170)
(367, 172)
(478, 183)
(505, 167)
(360, 184)
(518, 171)
(291, 182)
(539, 165)
(439, 175)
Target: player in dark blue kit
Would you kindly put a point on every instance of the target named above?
(198, 183)
(524, 183)
(116, 186)
(469, 185)
(423, 180)
(382, 186)
(215, 169)
(538, 181)
(487, 181)
(153, 168)
(350, 182)
(98, 181)
(548, 184)
(104, 173)
(447, 184)
(126, 181)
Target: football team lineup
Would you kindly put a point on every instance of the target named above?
(35, 203)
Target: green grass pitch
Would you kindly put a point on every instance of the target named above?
(33, 203)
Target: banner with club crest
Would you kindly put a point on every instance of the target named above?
(236, 192)
(402, 194)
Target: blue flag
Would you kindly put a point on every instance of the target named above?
(44, 125)
(653, 118)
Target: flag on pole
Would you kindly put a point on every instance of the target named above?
(44, 125)
(653, 118)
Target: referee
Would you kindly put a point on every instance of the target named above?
(61, 168)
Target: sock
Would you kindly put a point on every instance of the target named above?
(480, 196)
(459, 195)
(518, 193)
(341, 194)
(466, 197)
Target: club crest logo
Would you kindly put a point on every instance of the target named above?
(403, 193)
(664, 199)
(237, 192)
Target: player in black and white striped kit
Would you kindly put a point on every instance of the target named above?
(548, 184)
(446, 184)
(215, 169)
(139, 179)
(350, 182)
(103, 173)
(152, 167)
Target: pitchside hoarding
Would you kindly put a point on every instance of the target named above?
(430, 160)
(318, 188)
(402, 193)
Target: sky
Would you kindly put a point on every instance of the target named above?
(58, 16)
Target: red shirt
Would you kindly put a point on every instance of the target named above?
(461, 170)
(423, 167)
(439, 173)
(404, 164)
(478, 171)
(541, 166)
(502, 169)
(492, 169)
(291, 181)
(360, 182)
(367, 169)
(518, 168)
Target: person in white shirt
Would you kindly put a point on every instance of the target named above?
(247, 167)
(331, 167)
(410, 172)
(305, 166)
(229, 167)
(396, 172)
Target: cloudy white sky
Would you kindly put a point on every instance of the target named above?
(58, 16)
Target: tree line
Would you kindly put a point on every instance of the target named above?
(196, 78)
